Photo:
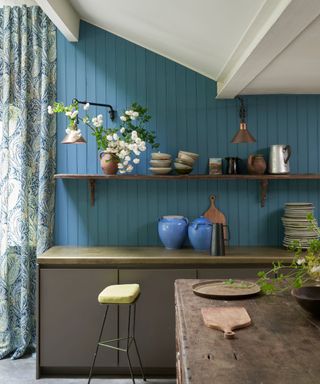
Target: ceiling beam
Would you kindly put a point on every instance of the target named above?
(276, 25)
(65, 18)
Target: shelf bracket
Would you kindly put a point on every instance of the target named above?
(92, 188)
(263, 191)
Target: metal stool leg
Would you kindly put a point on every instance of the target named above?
(128, 344)
(95, 354)
(135, 343)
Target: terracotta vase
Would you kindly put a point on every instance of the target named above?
(109, 163)
(256, 165)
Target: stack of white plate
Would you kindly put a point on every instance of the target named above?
(296, 225)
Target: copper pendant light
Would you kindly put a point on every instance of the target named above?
(243, 135)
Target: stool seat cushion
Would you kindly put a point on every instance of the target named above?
(119, 294)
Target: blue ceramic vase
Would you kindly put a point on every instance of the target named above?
(200, 234)
(173, 231)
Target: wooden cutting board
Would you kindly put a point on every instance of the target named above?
(215, 216)
(213, 213)
(226, 319)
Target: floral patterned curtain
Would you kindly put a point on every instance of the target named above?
(27, 164)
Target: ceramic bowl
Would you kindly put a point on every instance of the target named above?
(195, 156)
(160, 171)
(308, 298)
(182, 168)
(160, 156)
(160, 163)
(186, 159)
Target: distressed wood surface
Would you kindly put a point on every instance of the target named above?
(281, 346)
(159, 255)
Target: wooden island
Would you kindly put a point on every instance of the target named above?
(281, 346)
(69, 316)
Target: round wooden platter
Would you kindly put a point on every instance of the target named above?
(226, 289)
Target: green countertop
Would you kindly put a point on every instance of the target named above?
(117, 256)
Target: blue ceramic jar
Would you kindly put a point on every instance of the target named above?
(200, 234)
(173, 231)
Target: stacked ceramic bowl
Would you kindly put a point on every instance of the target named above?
(160, 163)
(296, 225)
(184, 162)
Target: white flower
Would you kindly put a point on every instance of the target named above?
(123, 118)
(130, 147)
(138, 140)
(74, 114)
(86, 106)
(136, 161)
(128, 113)
(50, 110)
(85, 120)
(137, 153)
(100, 118)
(109, 137)
(315, 269)
(127, 158)
(125, 163)
(301, 260)
(135, 114)
(132, 117)
(68, 113)
(120, 166)
(115, 136)
(122, 171)
(129, 168)
(122, 130)
(142, 148)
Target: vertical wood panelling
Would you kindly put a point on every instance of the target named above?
(102, 67)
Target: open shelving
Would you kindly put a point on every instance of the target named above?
(263, 179)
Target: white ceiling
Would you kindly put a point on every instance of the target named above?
(200, 34)
(295, 70)
(247, 46)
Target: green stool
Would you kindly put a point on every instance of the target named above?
(120, 294)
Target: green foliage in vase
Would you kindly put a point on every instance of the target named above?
(124, 143)
(304, 268)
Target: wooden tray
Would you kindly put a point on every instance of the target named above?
(226, 289)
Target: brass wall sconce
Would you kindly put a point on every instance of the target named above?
(73, 137)
(243, 135)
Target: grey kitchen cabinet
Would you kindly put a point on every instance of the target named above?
(155, 318)
(71, 317)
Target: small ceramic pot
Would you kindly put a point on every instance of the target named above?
(200, 234)
(173, 231)
(109, 163)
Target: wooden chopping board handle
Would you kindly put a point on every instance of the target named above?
(229, 334)
(212, 199)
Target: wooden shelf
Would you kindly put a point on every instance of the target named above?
(263, 179)
(296, 176)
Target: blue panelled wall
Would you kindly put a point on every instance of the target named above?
(105, 68)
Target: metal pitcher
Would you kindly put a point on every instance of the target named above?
(279, 159)
(217, 241)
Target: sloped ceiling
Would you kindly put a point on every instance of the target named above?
(247, 46)
(200, 34)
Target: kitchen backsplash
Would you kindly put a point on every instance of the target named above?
(105, 68)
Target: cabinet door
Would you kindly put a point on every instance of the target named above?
(229, 273)
(71, 317)
(155, 318)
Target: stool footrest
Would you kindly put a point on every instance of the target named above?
(107, 345)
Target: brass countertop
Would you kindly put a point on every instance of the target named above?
(63, 255)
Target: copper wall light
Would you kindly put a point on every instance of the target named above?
(73, 137)
(243, 135)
